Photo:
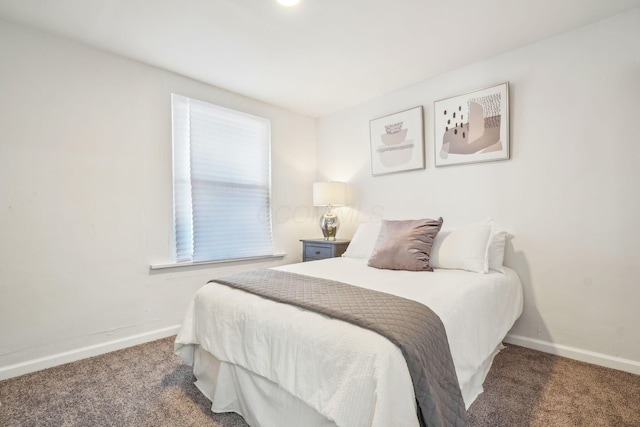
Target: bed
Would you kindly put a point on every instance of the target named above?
(280, 365)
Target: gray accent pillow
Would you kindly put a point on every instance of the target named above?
(405, 245)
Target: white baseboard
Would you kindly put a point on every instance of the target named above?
(84, 352)
(29, 366)
(587, 356)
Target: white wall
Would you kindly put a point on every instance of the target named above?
(570, 193)
(86, 194)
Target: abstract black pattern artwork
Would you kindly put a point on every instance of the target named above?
(473, 127)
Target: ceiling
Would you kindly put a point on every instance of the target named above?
(317, 57)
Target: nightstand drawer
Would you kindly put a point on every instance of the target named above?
(315, 249)
(320, 252)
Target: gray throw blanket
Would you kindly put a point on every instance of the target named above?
(411, 326)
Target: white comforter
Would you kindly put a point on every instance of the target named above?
(353, 376)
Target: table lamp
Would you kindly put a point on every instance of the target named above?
(329, 194)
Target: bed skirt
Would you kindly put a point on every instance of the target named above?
(261, 402)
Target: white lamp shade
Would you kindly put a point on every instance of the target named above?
(330, 193)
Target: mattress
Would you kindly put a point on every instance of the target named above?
(268, 361)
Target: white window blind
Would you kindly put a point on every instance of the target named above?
(221, 182)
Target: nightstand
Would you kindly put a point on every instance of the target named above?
(313, 249)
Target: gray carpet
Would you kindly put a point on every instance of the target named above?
(147, 385)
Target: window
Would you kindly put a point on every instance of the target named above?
(221, 182)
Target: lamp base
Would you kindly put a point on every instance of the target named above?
(329, 223)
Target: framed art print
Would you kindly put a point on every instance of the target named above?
(473, 127)
(397, 142)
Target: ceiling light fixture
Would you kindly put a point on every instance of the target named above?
(288, 3)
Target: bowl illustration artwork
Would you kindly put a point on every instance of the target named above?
(394, 138)
(393, 128)
(396, 155)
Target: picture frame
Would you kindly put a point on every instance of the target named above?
(473, 127)
(397, 142)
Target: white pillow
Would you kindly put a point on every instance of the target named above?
(363, 241)
(464, 248)
(496, 251)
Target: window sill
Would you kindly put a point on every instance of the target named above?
(220, 261)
